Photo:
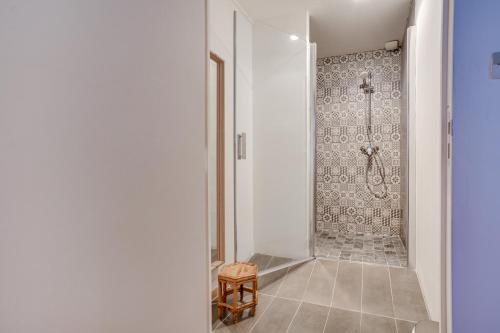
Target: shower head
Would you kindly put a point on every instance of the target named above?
(367, 82)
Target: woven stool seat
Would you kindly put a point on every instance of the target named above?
(239, 271)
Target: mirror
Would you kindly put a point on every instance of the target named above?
(215, 147)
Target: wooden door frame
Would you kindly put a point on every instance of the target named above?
(221, 251)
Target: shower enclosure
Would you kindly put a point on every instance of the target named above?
(325, 167)
(359, 160)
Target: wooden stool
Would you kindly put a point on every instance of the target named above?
(237, 275)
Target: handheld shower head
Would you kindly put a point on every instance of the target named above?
(366, 86)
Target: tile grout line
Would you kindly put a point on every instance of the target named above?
(373, 314)
(273, 299)
(392, 299)
(301, 298)
(293, 317)
(361, 262)
(282, 281)
(221, 322)
(333, 293)
(262, 315)
(361, 303)
(345, 309)
(385, 255)
(341, 308)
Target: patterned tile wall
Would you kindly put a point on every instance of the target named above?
(343, 202)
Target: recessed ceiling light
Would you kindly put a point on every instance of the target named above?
(294, 37)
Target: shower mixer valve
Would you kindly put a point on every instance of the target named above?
(370, 150)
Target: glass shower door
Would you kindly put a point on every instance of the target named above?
(273, 187)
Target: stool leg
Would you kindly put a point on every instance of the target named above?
(254, 298)
(256, 291)
(241, 293)
(224, 292)
(235, 303)
(221, 299)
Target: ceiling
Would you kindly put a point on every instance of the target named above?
(341, 26)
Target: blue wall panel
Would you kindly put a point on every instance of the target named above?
(476, 169)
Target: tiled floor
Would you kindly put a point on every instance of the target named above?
(330, 296)
(378, 249)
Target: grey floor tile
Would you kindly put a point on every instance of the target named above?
(269, 284)
(322, 251)
(427, 326)
(277, 317)
(261, 260)
(376, 324)
(246, 321)
(215, 320)
(320, 287)
(357, 257)
(295, 282)
(334, 253)
(360, 247)
(404, 326)
(369, 259)
(343, 321)
(345, 255)
(347, 291)
(408, 301)
(377, 298)
(225, 329)
(215, 313)
(310, 318)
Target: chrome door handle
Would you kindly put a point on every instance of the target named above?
(242, 146)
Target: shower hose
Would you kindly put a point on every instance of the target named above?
(374, 160)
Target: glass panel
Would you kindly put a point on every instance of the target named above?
(273, 61)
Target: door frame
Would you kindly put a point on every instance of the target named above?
(447, 132)
(221, 250)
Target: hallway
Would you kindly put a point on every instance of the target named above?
(333, 296)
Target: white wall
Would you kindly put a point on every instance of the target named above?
(244, 123)
(102, 170)
(429, 20)
(280, 137)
